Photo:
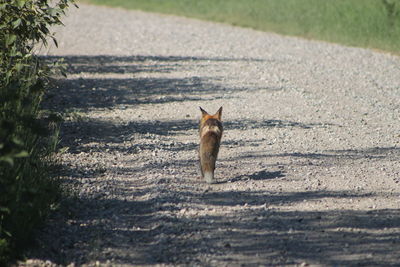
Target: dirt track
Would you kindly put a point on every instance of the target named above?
(309, 169)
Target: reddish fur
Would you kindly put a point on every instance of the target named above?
(209, 147)
(210, 138)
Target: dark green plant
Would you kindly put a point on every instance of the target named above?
(26, 191)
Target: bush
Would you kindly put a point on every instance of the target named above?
(26, 190)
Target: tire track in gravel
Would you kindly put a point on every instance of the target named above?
(308, 170)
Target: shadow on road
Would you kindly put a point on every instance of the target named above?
(143, 235)
(154, 231)
(116, 90)
(259, 175)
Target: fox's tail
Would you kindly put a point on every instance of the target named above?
(207, 162)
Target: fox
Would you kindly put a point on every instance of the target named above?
(210, 139)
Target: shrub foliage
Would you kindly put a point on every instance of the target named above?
(26, 191)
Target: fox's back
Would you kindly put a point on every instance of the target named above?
(211, 126)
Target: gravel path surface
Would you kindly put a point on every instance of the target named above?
(308, 171)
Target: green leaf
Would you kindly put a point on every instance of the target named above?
(10, 39)
(16, 23)
(7, 159)
(7, 233)
(3, 6)
(22, 154)
(21, 3)
(51, 11)
(17, 141)
(8, 75)
(18, 67)
(14, 53)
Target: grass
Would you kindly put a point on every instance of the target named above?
(362, 23)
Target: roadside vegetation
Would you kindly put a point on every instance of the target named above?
(363, 23)
(28, 135)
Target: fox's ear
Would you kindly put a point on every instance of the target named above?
(219, 113)
(203, 112)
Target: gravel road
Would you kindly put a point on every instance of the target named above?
(309, 168)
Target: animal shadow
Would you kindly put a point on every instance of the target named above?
(260, 175)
